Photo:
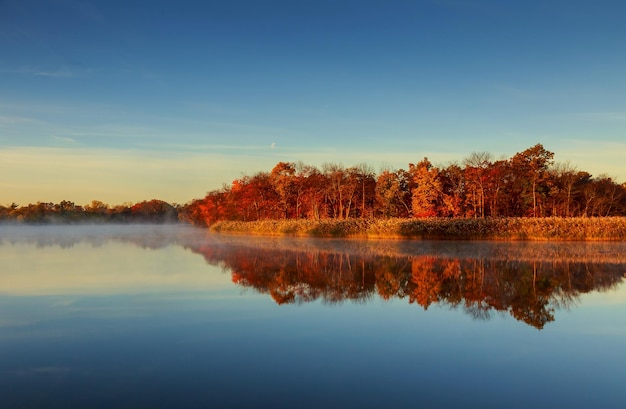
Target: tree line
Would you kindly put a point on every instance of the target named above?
(529, 184)
(150, 211)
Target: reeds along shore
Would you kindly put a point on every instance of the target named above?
(552, 228)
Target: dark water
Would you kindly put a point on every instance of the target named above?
(162, 317)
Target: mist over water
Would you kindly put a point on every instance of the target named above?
(163, 316)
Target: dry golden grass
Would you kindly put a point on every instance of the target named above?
(606, 228)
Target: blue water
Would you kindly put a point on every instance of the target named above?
(135, 317)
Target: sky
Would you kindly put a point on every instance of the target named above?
(124, 101)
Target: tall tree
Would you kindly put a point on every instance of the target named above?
(453, 187)
(341, 189)
(282, 178)
(561, 180)
(531, 167)
(427, 194)
(392, 195)
(476, 167)
(311, 192)
(366, 189)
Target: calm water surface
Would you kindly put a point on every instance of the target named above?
(162, 317)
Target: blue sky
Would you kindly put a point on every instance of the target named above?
(122, 101)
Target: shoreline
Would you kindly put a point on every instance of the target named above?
(501, 228)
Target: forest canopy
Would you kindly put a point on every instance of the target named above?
(529, 184)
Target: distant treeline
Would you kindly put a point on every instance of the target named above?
(529, 184)
(152, 211)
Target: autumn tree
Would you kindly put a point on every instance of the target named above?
(561, 181)
(192, 213)
(154, 211)
(311, 192)
(494, 186)
(365, 180)
(393, 198)
(97, 210)
(283, 181)
(453, 187)
(476, 174)
(341, 189)
(602, 197)
(531, 168)
(427, 194)
(253, 198)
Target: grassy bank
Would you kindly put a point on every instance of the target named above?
(606, 228)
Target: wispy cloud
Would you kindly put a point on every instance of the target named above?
(602, 116)
(65, 139)
(33, 107)
(54, 74)
(4, 120)
(203, 147)
(61, 72)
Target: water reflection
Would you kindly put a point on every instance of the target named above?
(529, 287)
(529, 281)
(149, 316)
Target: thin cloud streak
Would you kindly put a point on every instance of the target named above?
(204, 147)
(603, 116)
(54, 74)
(62, 72)
(106, 125)
(65, 139)
(4, 120)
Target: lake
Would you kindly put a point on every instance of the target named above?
(172, 316)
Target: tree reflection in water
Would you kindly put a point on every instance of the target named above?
(527, 280)
(529, 290)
